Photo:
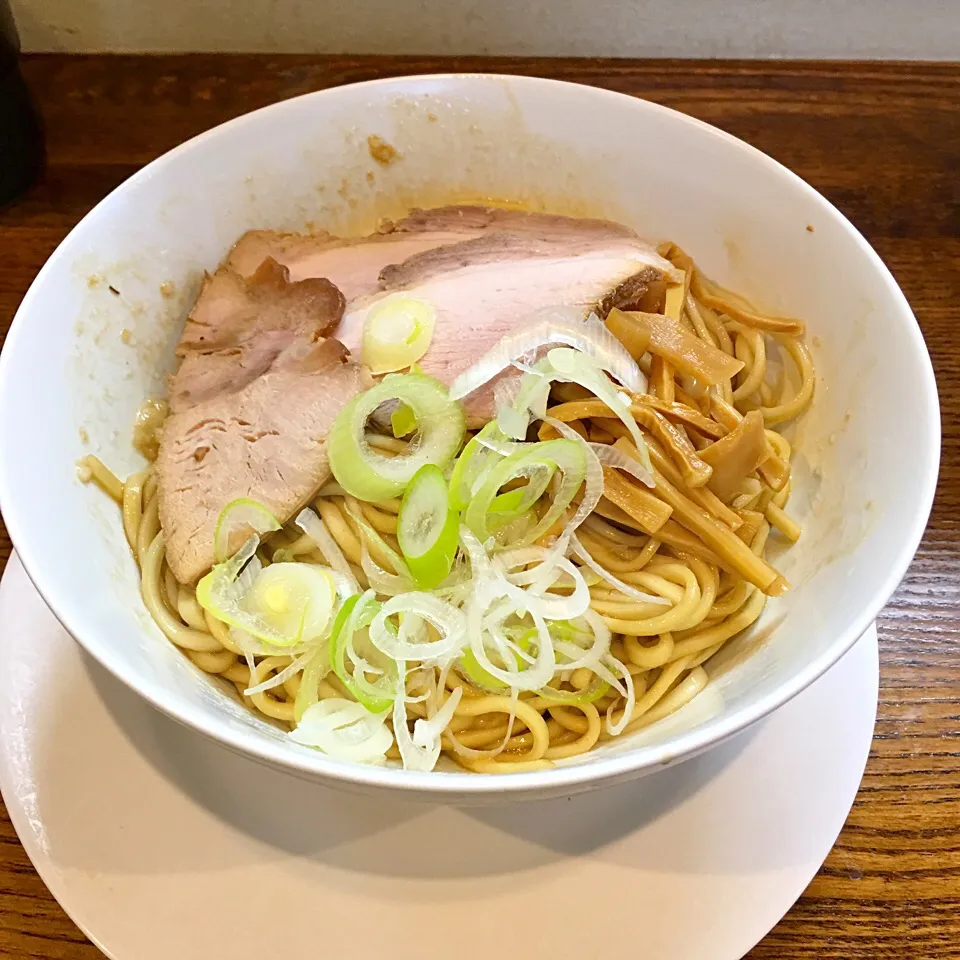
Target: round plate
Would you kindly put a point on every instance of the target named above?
(160, 843)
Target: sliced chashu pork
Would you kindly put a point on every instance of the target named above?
(353, 265)
(515, 264)
(257, 390)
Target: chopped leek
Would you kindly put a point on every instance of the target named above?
(575, 367)
(308, 693)
(369, 475)
(428, 528)
(221, 594)
(345, 731)
(552, 326)
(471, 668)
(397, 333)
(355, 615)
(538, 463)
(472, 464)
(294, 599)
(402, 421)
(237, 521)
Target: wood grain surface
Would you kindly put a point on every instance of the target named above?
(882, 141)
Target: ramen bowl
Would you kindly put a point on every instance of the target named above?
(95, 334)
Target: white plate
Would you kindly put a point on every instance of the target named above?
(160, 843)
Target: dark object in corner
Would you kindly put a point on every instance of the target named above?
(21, 137)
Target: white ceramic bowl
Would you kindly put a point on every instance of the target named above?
(867, 453)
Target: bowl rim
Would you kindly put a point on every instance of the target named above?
(600, 768)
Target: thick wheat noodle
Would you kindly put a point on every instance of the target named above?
(585, 738)
(171, 589)
(742, 619)
(477, 706)
(238, 674)
(132, 506)
(340, 528)
(219, 662)
(380, 521)
(724, 302)
(616, 535)
(151, 585)
(295, 549)
(668, 675)
(92, 469)
(677, 697)
(148, 528)
(791, 407)
(611, 557)
(267, 703)
(750, 348)
(693, 313)
(663, 647)
(649, 656)
(192, 614)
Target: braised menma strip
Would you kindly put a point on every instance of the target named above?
(647, 510)
(702, 496)
(750, 521)
(671, 533)
(736, 456)
(689, 354)
(693, 469)
(683, 412)
(716, 535)
(661, 378)
(774, 470)
(662, 372)
(633, 336)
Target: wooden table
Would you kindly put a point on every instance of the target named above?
(882, 141)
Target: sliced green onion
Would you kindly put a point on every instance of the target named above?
(221, 594)
(472, 464)
(411, 641)
(509, 505)
(538, 463)
(554, 325)
(237, 521)
(314, 527)
(368, 475)
(531, 395)
(428, 528)
(402, 421)
(384, 581)
(477, 675)
(308, 693)
(519, 502)
(513, 422)
(294, 599)
(344, 730)
(356, 614)
(397, 333)
(482, 678)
